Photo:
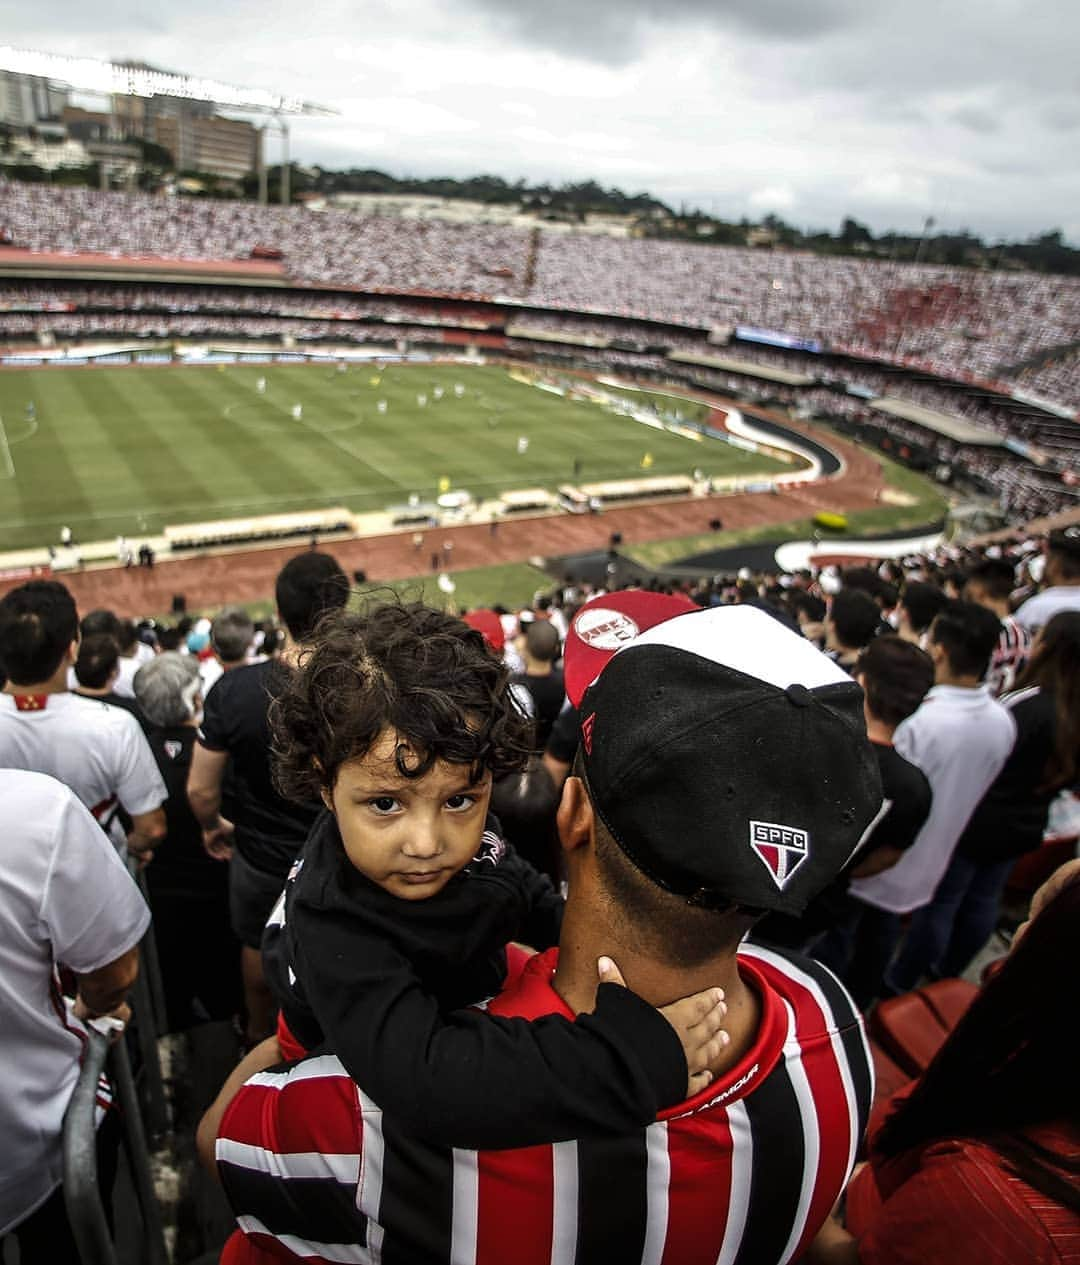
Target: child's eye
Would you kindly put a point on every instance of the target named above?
(383, 803)
(459, 803)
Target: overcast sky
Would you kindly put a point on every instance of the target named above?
(812, 109)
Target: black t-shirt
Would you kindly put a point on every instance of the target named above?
(548, 695)
(562, 743)
(269, 829)
(181, 861)
(1011, 817)
(908, 795)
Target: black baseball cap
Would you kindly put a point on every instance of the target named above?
(728, 758)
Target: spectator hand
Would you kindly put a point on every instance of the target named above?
(1057, 882)
(697, 1021)
(218, 840)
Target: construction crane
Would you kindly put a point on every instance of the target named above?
(134, 79)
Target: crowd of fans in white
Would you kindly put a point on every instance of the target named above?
(948, 321)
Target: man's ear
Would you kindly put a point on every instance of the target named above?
(575, 818)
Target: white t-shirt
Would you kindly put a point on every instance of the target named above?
(65, 896)
(97, 750)
(960, 738)
(1041, 609)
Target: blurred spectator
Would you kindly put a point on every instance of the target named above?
(539, 648)
(232, 638)
(959, 737)
(96, 670)
(189, 892)
(1011, 818)
(1062, 577)
(919, 603)
(851, 623)
(268, 829)
(65, 897)
(859, 939)
(990, 583)
(98, 751)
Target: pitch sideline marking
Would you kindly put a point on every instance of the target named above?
(5, 450)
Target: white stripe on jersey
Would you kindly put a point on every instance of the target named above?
(564, 1210)
(804, 1096)
(465, 1213)
(310, 1069)
(369, 1191)
(657, 1180)
(348, 1253)
(343, 1168)
(742, 1170)
(789, 968)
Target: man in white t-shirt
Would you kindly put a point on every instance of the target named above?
(97, 750)
(1062, 575)
(959, 737)
(65, 897)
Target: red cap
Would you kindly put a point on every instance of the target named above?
(490, 625)
(606, 624)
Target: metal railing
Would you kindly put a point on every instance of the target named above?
(82, 1196)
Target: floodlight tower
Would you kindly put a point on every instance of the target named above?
(133, 79)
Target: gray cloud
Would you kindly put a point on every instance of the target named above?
(614, 31)
(977, 120)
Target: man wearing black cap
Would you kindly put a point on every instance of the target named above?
(1062, 575)
(724, 771)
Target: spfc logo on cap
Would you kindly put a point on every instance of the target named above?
(604, 629)
(781, 849)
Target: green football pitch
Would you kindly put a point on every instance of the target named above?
(111, 451)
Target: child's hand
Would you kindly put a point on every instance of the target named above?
(697, 1021)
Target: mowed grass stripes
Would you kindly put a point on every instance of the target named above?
(130, 450)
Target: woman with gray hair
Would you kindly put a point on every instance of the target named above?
(189, 893)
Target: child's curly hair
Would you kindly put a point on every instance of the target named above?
(418, 672)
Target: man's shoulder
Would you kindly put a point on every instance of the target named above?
(820, 1004)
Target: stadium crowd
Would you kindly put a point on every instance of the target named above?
(309, 799)
(955, 323)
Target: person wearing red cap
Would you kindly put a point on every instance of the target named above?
(724, 771)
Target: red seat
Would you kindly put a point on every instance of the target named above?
(889, 1079)
(912, 1028)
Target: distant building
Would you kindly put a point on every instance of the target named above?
(196, 137)
(27, 100)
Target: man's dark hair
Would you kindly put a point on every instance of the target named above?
(542, 640)
(812, 607)
(1065, 554)
(169, 639)
(307, 587)
(101, 623)
(922, 602)
(865, 579)
(664, 924)
(126, 636)
(419, 673)
(968, 633)
(38, 622)
(995, 577)
(97, 660)
(855, 617)
(896, 676)
(231, 634)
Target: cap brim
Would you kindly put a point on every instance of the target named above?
(609, 623)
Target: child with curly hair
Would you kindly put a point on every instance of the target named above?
(395, 920)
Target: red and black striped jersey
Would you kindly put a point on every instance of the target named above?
(745, 1173)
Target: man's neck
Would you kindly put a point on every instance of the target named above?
(878, 731)
(88, 692)
(945, 677)
(533, 667)
(56, 684)
(585, 937)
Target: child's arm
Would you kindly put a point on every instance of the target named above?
(478, 1081)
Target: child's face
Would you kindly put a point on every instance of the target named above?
(408, 835)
